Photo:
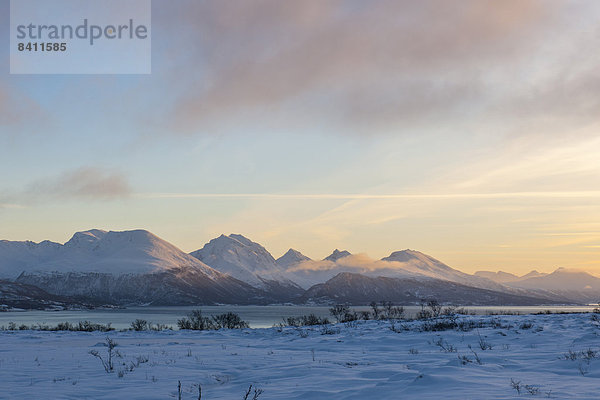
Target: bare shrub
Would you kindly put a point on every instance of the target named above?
(139, 325)
(229, 320)
(305, 320)
(339, 312)
(256, 394)
(376, 311)
(445, 346)
(477, 359)
(464, 360)
(526, 325)
(483, 344)
(515, 385)
(570, 355)
(392, 312)
(532, 389)
(195, 321)
(327, 330)
(429, 309)
(81, 326)
(107, 363)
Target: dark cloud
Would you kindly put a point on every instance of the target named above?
(349, 62)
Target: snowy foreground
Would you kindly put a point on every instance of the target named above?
(364, 361)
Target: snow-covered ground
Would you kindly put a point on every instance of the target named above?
(365, 361)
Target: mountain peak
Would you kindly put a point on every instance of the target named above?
(242, 239)
(404, 255)
(232, 239)
(86, 238)
(290, 258)
(533, 274)
(336, 255)
(239, 257)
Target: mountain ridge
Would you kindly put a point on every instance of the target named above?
(138, 267)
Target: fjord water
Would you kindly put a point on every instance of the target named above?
(256, 316)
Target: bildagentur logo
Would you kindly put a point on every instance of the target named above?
(85, 31)
(80, 37)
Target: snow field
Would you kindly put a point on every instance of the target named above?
(544, 355)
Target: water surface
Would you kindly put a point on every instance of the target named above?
(256, 316)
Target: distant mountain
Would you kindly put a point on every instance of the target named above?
(417, 263)
(533, 274)
(399, 264)
(576, 285)
(291, 258)
(562, 279)
(506, 277)
(498, 277)
(358, 289)
(243, 259)
(336, 255)
(119, 268)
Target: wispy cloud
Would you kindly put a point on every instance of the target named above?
(357, 262)
(87, 183)
(11, 206)
(535, 161)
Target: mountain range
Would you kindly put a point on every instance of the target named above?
(572, 284)
(137, 267)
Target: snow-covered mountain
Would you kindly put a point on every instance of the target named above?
(417, 263)
(399, 264)
(140, 268)
(410, 266)
(96, 251)
(291, 258)
(130, 266)
(243, 259)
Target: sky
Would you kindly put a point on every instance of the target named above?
(466, 130)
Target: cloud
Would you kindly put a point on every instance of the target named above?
(19, 113)
(10, 206)
(534, 164)
(360, 66)
(356, 262)
(87, 183)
